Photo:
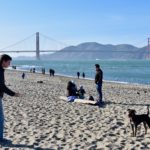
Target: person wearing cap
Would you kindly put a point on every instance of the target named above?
(4, 63)
(99, 82)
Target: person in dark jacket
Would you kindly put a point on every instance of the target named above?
(78, 75)
(4, 63)
(83, 75)
(99, 82)
(23, 75)
(71, 91)
(81, 92)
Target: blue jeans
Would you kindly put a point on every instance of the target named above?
(71, 98)
(1, 119)
(99, 91)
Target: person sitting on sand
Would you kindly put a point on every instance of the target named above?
(71, 91)
(81, 92)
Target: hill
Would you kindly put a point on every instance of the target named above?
(93, 50)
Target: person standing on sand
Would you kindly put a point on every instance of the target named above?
(78, 75)
(99, 82)
(83, 75)
(4, 63)
(23, 75)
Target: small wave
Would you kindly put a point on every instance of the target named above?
(29, 66)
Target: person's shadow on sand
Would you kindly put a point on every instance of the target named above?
(8, 143)
(121, 103)
(100, 105)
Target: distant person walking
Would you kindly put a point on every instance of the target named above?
(43, 70)
(99, 82)
(78, 75)
(83, 75)
(4, 63)
(33, 70)
(23, 75)
(52, 72)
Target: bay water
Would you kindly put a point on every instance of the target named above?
(126, 71)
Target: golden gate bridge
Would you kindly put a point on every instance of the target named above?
(36, 46)
(37, 50)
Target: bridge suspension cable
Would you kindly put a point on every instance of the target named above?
(21, 41)
(16, 47)
(52, 39)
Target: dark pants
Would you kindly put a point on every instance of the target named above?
(1, 119)
(99, 91)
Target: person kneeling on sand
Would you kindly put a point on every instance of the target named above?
(71, 91)
(81, 92)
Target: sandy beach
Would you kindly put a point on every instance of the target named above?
(40, 120)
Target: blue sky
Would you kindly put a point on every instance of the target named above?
(76, 21)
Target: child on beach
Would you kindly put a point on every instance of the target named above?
(4, 63)
(81, 92)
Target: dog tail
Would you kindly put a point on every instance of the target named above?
(147, 109)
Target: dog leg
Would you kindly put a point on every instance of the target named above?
(148, 122)
(148, 110)
(144, 123)
(132, 126)
(135, 130)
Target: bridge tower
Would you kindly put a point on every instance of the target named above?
(37, 46)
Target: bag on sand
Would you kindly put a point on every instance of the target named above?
(91, 98)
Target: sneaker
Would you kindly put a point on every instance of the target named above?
(100, 103)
